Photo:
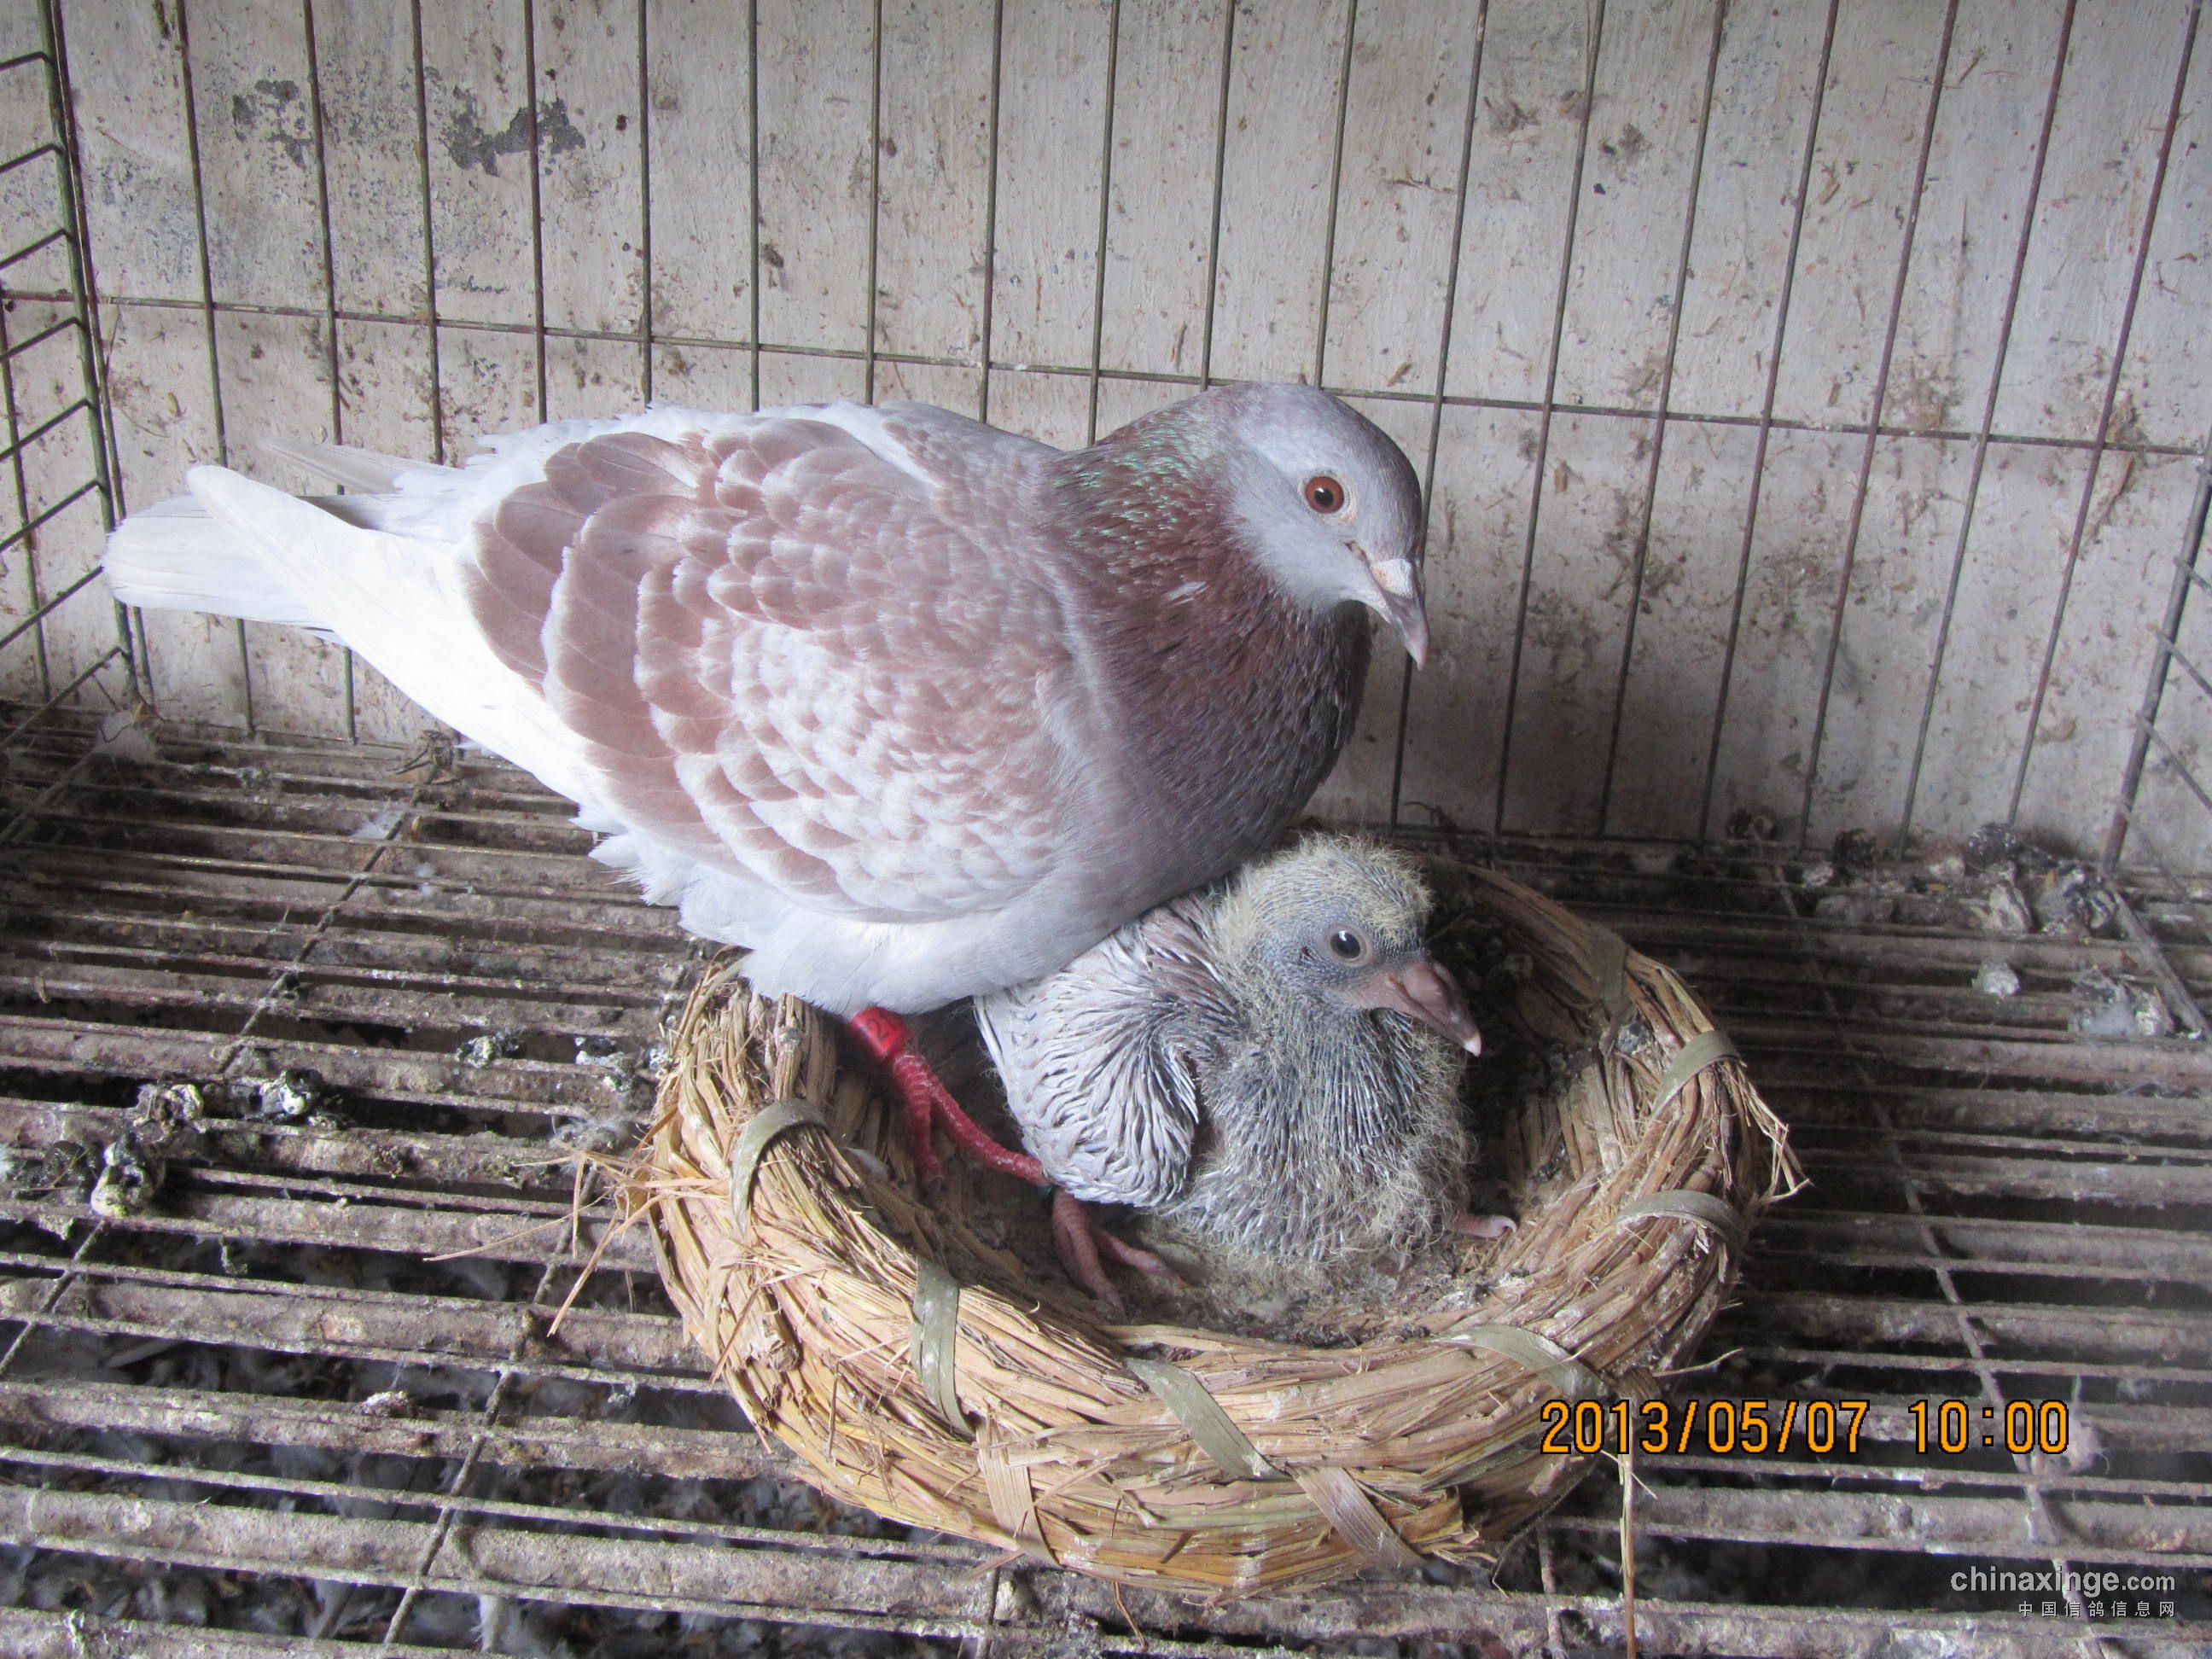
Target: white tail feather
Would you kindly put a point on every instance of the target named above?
(173, 557)
(342, 464)
(397, 600)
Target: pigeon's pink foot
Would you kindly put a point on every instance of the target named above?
(1081, 1242)
(928, 1104)
(1483, 1226)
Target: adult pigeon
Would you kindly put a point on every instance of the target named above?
(912, 708)
(1272, 1065)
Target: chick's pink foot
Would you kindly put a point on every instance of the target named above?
(1081, 1243)
(927, 1104)
(1483, 1226)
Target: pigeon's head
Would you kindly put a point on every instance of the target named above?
(1327, 504)
(1336, 922)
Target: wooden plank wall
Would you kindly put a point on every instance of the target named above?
(1811, 395)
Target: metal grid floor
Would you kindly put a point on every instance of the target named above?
(274, 1410)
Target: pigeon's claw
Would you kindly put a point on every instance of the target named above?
(926, 1104)
(1080, 1241)
(918, 1118)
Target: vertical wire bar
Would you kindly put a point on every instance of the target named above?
(752, 181)
(1555, 1624)
(494, 1401)
(1592, 43)
(536, 204)
(645, 198)
(2105, 413)
(991, 208)
(1335, 191)
(27, 533)
(429, 243)
(2188, 1011)
(2044, 1525)
(207, 309)
(2177, 603)
(234, 1045)
(2180, 891)
(1443, 369)
(23, 513)
(1220, 172)
(1105, 215)
(62, 114)
(199, 221)
(875, 189)
(1988, 422)
(2169, 649)
(1873, 422)
(987, 1643)
(330, 297)
(1642, 544)
(1766, 420)
(458, 1484)
(2181, 773)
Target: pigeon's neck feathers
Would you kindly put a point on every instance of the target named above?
(1164, 475)
(1174, 489)
(1177, 621)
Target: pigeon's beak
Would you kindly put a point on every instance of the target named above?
(1423, 991)
(1399, 586)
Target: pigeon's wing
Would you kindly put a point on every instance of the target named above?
(1102, 1061)
(805, 648)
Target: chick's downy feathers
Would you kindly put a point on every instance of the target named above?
(912, 708)
(1272, 1065)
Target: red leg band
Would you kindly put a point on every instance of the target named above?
(882, 1033)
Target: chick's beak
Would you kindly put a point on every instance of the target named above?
(1423, 991)
(1400, 585)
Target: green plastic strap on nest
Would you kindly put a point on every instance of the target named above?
(1333, 1491)
(1609, 962)
(1539, 1355)
(1352, 1513)
(1203, 1419)
(1721, 1217)
(753, 1141)
(933, 1341)
(1706, 1049)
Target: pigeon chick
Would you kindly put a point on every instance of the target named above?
(1271, 1065)
(911, 708)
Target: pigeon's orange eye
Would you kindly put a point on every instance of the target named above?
(1347, 945)
(1323, 493)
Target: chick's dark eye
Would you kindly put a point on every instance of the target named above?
(1346, 944)
(1324, 493)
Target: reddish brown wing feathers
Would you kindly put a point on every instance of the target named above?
(782, 655)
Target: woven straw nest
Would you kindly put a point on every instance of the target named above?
(917, 1368)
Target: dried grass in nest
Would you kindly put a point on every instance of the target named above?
(1636, 1171)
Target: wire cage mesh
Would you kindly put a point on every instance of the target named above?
(1813, 406)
